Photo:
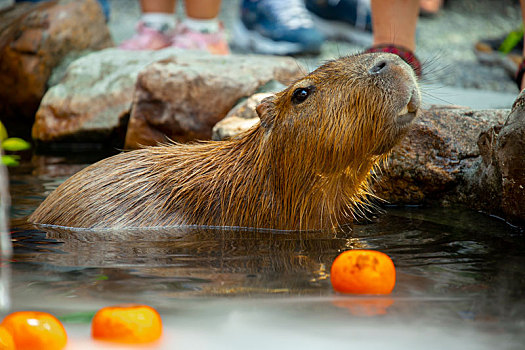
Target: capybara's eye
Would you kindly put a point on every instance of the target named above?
(300, 94)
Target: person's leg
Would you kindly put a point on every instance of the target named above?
(161, 6)
(156, 21)
(202, 15)
(158, 14)
(201, 29)
(394, 27)
(203, 9)
(394, 22)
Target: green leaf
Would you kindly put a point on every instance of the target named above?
(3, 132)
(102, 278)
(10, 160)
(511, 41)
(78, 317)
(15, 144)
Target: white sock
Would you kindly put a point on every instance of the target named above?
(158, 20)
(202, 25)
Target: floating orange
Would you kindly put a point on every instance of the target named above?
(6, 340)
(35, 330)
(127, 324)
(363, 272)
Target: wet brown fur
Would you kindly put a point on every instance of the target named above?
(305, 166)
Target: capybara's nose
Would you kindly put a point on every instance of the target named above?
(379, 67)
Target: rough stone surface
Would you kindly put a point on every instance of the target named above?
(510, 153)
(183, 98)
(240, 118)
(94, 98)
(436, 159)
(437, 154)
(33, 40)
(502, 171)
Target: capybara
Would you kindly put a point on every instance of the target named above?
(306, 165)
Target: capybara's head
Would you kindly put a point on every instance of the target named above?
(348, 109)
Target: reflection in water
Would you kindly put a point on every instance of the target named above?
(365, 306)
(431, 258)
(453, 265)
(205, 261)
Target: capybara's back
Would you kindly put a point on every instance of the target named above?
(304, 166)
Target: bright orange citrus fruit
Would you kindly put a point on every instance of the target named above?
(35, 330)
(363, 272)
(127, 324)
(6, 340)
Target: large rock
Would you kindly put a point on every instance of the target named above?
(502, 172)
(510, 154)
(33, 40)
(436, 159)
(93, 100)
(183, 98)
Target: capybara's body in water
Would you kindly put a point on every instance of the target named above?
(305, 166)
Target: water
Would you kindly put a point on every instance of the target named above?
(460, 278)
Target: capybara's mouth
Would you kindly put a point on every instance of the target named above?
(409, 112)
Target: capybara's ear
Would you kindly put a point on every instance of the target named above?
(266, 112)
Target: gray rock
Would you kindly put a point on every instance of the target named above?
(94, 97)
(182, 98)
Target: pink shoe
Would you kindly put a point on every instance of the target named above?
(186, 38)
(146, 38)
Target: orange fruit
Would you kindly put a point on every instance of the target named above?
(363, 272)
(6, 340)
(127, 324)
(35, 330)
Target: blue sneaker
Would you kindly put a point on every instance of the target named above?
(276, 27)
(349, 20)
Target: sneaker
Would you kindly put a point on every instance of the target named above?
(186, 38)
(349, 20)
(276, 27)
(146, 38)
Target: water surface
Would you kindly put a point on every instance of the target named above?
(460, 278)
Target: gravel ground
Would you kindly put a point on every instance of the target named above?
(444, 42)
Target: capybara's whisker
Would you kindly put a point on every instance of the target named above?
(425, 92)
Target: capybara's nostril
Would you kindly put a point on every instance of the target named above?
(378, 67)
